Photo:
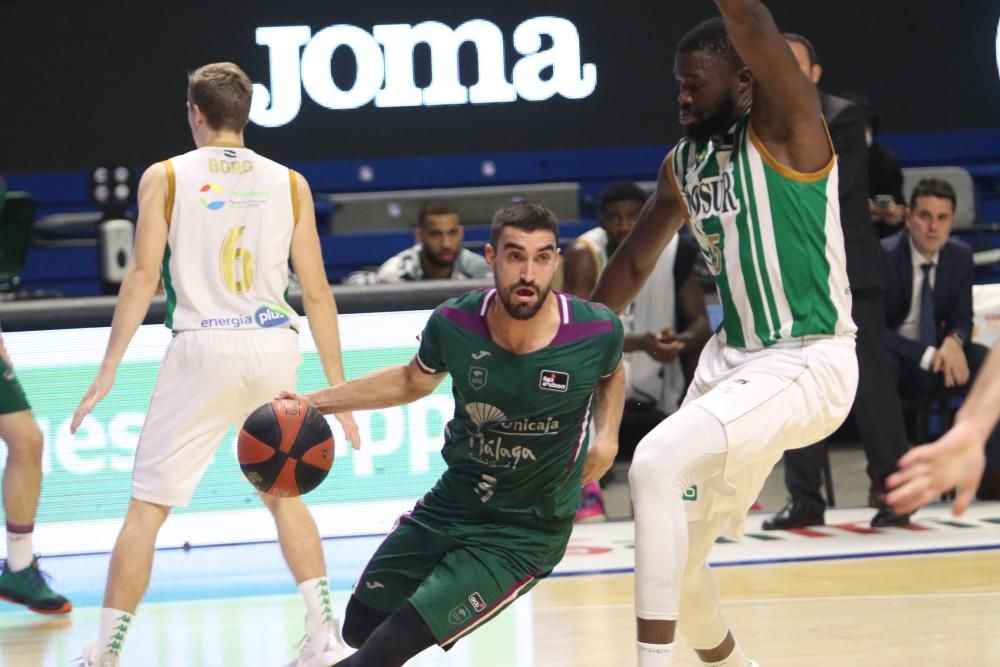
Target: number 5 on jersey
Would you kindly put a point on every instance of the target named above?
(237, 263)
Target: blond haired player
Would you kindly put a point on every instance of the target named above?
(222, 222)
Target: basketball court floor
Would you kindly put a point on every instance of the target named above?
(842, 595)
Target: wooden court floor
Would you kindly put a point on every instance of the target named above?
(918, 611)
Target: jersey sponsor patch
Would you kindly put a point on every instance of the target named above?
(478, 377)
(553, 381)
(477, 602)
(270, 317)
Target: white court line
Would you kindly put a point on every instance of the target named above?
(752, 601)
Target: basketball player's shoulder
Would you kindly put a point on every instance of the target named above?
(469, 304)
(593, 320)
(583, 310)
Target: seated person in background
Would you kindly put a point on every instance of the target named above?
(929, 301)
(667, 319)
(438, 253)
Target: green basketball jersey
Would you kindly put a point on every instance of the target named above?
(517, 443)
(770, 236)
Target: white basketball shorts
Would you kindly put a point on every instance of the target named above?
(784, 397)
(208, 381)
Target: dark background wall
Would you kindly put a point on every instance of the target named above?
(95, 81)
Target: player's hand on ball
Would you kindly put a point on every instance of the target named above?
(281, 395)
(350, 427)
(600, 456)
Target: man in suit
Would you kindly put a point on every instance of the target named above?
(877, 410)
(929, 306)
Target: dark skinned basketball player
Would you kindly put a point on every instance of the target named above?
(755, 177)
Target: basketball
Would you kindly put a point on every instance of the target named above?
(285, 448)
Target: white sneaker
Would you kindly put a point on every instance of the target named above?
(91, 657)
(314, 654)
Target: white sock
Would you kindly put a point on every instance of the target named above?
(19, 549)
(316, 593)
(655, 655)
(114, 626)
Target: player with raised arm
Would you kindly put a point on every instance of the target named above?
(755, 177)
(218, 224)
(529, 367)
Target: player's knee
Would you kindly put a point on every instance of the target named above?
(26, 447)
(360, 621)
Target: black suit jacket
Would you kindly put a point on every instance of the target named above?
(953, 280)
(847, 122)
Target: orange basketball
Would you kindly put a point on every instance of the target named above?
(285, 448)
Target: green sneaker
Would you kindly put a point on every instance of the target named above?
(30, 588)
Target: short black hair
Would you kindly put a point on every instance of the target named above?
(622, 191)
(799, 39)
(934, 187)
(524, 215)
(710, 37)
(435, 207)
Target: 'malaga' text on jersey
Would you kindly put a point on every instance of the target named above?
(770, 236)
(520, 433)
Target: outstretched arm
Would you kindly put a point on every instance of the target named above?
(137, 288)
(317, 298)
(786, 112)
(957, 459)
(635, 258)
(383, 388)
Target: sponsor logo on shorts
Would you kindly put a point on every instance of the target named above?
(267, 317)
(478, 377)
(553, 381)
(374, 585)
(691, 494)
(477, 602)
(460, 615)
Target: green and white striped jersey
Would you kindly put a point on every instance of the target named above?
(771, 236)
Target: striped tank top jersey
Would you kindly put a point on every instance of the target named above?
(770, 236)
(231, 214)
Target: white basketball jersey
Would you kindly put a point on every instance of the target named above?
(231, 214)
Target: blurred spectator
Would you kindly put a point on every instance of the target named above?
(929, 306)
(438, 253)
(876, 407)
(886, 201)
(666, 322)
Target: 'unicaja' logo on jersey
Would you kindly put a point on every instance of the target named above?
(210, 197)
(267, 317)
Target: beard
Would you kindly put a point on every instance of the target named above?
(436, 260)
(522, 311)
(715, 123)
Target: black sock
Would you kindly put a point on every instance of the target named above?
(396, 640)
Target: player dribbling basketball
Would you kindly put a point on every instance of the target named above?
(525, 364)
